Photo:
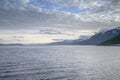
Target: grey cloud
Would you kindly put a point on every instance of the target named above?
(51, 32)
(15, 4)
(59, 40)
(1, 39)
(88, 3)
(10, 40)
(32, 17)
(109, 5)
(97, 7)
(35, 20)
(54, 32)
(18, 37)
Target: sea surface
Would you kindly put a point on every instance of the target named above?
(68, 62)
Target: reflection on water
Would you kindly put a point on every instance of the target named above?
(59, 63)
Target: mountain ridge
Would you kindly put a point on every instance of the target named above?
(113, 41)
(96, 39)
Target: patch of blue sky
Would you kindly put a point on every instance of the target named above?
(52, 6)
(74, 9)
(45, 4)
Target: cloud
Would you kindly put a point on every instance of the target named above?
(58, 40)
(35, 21)
(18, 37)
(14, 4)
(23, 14)
(48, 31)
(108, 10)
(10, 40)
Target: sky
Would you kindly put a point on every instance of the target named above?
(44, 21)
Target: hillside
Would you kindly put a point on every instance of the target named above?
(113, 41)
(100, 38)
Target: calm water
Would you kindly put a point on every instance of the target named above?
(59, 63)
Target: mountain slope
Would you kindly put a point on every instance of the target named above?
(113, 41)
(96, 39)
(101, 37)
(71, 42)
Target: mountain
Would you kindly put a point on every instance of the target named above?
(64, 42)
(71, 42)
(113, 41)
(16, 44)
(99, 38)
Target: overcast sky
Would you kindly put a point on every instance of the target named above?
(41, 21)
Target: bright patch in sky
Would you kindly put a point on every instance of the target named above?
(43, 21)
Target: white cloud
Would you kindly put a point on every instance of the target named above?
(22, 14)
(102, 13)
(109, 9)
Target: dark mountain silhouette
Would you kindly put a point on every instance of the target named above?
(113, 41)
(96, 39)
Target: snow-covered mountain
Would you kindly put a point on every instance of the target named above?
(71, 42)
(96, 39)
(101, 37)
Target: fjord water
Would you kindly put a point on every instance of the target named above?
(59, 63)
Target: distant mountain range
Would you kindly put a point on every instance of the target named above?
(110, 37)
(71, 42)
(17, 44)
